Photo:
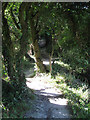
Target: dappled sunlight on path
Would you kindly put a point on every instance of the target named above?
(37, 82)
(49, 101)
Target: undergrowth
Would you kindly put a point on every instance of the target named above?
(74, 90)
(17, 106)
(14, 103)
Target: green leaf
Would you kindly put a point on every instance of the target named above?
(68, 9)
(4, 108)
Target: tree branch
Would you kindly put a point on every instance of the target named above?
(36, 23)
(36, 14)
(21, 15)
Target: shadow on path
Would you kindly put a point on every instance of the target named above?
(48, 103)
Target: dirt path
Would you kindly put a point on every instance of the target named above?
(49, 101)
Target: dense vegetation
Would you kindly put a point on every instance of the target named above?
(65, 27)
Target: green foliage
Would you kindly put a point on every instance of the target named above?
(4, 72)
(27, 64)
(73, 89)
(15, 104)
(76, 59)
(15, 110)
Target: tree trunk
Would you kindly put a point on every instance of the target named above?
(11, 59)
(39, 62)
(8, 49)
(23, 42)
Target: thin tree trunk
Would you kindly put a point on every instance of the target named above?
(50, 64)
(51, 55)
(50, 61)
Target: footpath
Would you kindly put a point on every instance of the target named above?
(49, 102)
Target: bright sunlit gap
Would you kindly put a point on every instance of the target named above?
(47, 62)
(59, 77)
(62, 64)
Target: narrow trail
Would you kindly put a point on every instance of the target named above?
(49, 101)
